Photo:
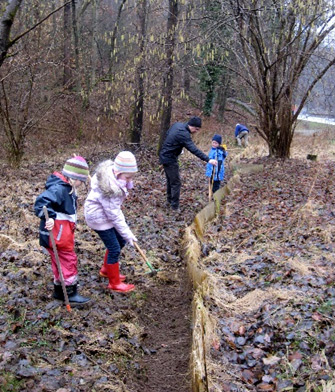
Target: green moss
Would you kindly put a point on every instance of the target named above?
(9, 383)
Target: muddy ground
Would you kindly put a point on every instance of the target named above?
(138, 341)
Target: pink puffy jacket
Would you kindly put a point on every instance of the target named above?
(103, 204)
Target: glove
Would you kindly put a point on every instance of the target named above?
(132, 240)
(224, 146)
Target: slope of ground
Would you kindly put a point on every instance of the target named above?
(272, 262)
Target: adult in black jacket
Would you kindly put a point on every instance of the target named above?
(179, 136)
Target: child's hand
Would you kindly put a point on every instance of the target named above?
(49, 224)
(132, 240)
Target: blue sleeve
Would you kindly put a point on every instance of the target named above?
(212, 154)
(49, 198)
(209, 167)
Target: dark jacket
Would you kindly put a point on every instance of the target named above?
(61, 202)
(178, 136)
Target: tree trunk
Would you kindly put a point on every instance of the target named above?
(94, 52)
(113, 38)
(137, 116)
(187, 81)
(6, 23)
(168, 77)
(67, 75)
(113, 50)
(223, 94)
(76, 44)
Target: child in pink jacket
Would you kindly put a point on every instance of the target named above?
(109, 188)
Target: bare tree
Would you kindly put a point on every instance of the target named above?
(67, 76)
(76, 44)
(114, 36)
(6, 23)
(277, 40)
(167, 89)
(137, 114)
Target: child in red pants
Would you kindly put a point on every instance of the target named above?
(60, 199)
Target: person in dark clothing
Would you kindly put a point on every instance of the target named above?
(178, 137)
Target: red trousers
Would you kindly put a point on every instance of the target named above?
(68, 261)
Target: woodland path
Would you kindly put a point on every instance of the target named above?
(130, 343)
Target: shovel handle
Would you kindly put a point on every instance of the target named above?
(67, 303)
(210, 187)
(143, 256)
(140, 251)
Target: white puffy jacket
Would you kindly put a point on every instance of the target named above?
(103, 204)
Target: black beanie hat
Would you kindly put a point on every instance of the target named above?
(195, 122)
(217, 138)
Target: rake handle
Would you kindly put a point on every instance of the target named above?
(143, 256)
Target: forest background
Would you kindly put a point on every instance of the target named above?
(118, 69)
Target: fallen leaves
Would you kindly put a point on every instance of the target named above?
(278, 238)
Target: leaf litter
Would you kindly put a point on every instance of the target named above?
(271, 254)
(272, 278)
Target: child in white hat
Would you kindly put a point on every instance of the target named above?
(110, 185)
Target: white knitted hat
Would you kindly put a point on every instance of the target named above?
(125, 162)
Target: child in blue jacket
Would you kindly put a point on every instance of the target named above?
(60, 199)
(216, 173)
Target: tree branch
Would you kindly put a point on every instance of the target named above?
(11, 43)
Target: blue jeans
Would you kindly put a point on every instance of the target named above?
(113, 242)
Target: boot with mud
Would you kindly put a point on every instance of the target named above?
(103, 272)
(74, 298)
(115, 283)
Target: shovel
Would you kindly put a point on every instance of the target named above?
(67, 303)
(152, 269)
(210, 186)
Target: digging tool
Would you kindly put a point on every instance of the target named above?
(210, 187)
(152, 269)
(211, 182)
(67, 303)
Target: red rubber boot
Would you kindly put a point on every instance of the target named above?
(103, 271)
(115, 283)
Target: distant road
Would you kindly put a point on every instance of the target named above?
(322, 120)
